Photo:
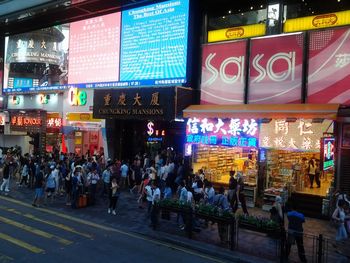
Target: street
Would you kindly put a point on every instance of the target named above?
(30, 234)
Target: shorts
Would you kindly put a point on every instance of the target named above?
(39, 192)
(50, 190)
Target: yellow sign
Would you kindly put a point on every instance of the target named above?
(319, 21)
(81, 116)
(236, 32)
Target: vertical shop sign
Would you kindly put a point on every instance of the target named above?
(223, 73)
(329, 66)
(327, 153)
(276, 69)
(226, 132)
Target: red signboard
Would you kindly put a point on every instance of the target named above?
(54, 123)
(25, 121)
(276, 69)
(223, 73)
(329, 66)
(94, 49)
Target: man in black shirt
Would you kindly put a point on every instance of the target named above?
(38, 185)
(295, 232)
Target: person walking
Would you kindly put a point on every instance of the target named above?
(114, 195)
(93, 179)
(50, 184)
(296, 232)
(221, 202)
(312, 172)
(339, 217)
(155, 200)
(124, 170)
(5, 186)
(38, 185)
(106, 178)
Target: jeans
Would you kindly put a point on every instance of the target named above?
(300, 244)
(5, 184)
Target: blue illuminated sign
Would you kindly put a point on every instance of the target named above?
(22, 83)
(233, 141)
(154, 43)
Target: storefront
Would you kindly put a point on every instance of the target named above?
(83, 134)
(271, 145)
(142, 120)
(48, 107)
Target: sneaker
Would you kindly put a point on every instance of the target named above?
(114, 212)
(7, 190)
(109, 210)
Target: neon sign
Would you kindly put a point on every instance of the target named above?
(226, 132)
(43, 98)
(25, 121)
(327, 152)
(151, 131)
(77, 97)
(300, 134)
(54, 123)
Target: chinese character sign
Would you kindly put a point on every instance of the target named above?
(54, 123)
(301, 134)
(227, 132)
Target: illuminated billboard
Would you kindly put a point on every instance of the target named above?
(144, 46)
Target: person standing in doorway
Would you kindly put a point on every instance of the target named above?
(312, 172)
(296, 232)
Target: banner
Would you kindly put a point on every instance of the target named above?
(236, 32)
(276, 69)
(329, 66)
(223, 73)
(136, 103)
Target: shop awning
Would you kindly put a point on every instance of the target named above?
(263, 111)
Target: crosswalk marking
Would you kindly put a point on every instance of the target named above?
(110, 229)
(21, 243)
(5, 259)
(35, 231)
(51, 223)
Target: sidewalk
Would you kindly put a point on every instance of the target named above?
(253, 247)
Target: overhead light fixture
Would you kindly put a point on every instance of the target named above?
(261, 6)
(251, 8)
(229, 11)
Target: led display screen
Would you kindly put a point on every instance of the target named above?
(144, 46)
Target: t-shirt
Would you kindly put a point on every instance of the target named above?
(51, 182)
(124, 170)
(149, 193)
(156, 196)
(39, 179)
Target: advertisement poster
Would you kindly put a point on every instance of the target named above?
(276, 69)
(94, 49)
(144, 46)
(329, 67)
(327, 153)
(154, 42)
(223, 73)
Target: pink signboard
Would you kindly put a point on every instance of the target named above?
(94, 49)
(276, 69)
(329, 67)
(223, 73)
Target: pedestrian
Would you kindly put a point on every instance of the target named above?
(240, 196)
(155, 200)
(339, 217)
(93, 179)
(106, 178)
(312, 172)
(113, 197)
(68, 187)
(39, 185)
(221, 202)
(276, 212)
(24, 173)
(5, 186)
(296, 232)
(124, 169)
(75, 187)
(50, 184)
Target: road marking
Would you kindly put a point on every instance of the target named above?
(35, 231)
(21, 244)
(5, 259)
(110, 229)
(54, 224)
